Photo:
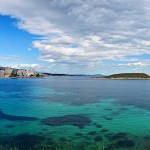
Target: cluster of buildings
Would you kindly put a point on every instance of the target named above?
(6, 72)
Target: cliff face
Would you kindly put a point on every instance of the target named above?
(6, 72)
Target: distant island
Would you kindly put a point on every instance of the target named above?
(127, 76)
(6, 72)
(79, 75)
(56, 74)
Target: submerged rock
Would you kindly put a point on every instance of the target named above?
(104, 130)
(116, 136)
(61, 139)
(75, 120)
(98, 139)
(92, 133)
(147, 137)
(16, 118)
(22, 142)
(98, 125)
(78, 134)
(125, 143)
(107, 118)
(27, 141)
(119, 136)
(110, 109)
(9, 126)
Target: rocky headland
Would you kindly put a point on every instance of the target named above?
(6, 72)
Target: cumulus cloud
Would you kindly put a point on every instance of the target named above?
(135, 64)
(84, 32)
(27, 66)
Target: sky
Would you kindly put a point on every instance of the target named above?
(76, 36)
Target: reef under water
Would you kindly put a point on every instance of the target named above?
(74, 113)
(16, 118)
(78, 120)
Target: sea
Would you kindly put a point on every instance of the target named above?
(74, 113)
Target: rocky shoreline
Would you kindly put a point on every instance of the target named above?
(6, 72)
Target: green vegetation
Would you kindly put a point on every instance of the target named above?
(129, 75)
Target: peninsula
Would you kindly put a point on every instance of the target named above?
(127, 76)
(6, 72)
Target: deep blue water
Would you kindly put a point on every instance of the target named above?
(74, 113)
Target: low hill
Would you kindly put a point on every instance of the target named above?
(127, 76)
(56, 74)
(81, 75)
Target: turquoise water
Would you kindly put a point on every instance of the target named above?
(76, 113)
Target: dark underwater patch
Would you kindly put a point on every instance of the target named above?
(92, 133)
(119, 136)
(98, 139)
(110, 147)
(9, 126)
(104, 130)
(16, 118)
(76, 120)
(61, 139)
(76, 101)
(116, 136)
(97, 125)
(147, 137)
(110, 109)
(22, 142)
(78, 134)
(119, 111)
(27, 141)
(107, 118)
(125, 143)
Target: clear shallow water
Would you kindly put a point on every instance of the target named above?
(75, 113)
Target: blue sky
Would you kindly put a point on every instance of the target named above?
(15, 42)
(83, 37)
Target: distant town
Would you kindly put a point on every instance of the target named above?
(6, 72)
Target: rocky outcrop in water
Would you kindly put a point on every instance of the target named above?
(6, 72)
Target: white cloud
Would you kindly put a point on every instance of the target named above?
(84, 32)
(27, 66)
(135, 64)
(10, 58)
(90, 48)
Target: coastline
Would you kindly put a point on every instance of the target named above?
(21, 77)
(98, 78)
(126, 76)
